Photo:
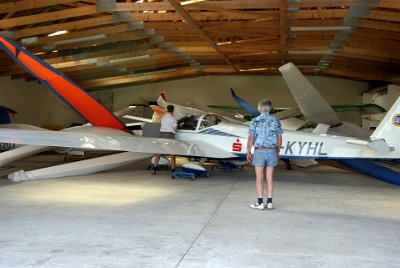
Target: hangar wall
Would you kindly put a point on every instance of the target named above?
(201, 91)
(35, 104)
(39, 106)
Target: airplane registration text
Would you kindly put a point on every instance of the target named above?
(6, 146)
(303, 148)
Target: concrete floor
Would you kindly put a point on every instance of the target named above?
(324, 217)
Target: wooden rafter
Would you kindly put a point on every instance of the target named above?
(283, 25)
(213, 36)
(45, 17)
(16, 6)
(185, 15)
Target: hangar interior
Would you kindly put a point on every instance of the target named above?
(125, 53)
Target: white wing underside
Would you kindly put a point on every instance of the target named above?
(95, 141)
(137, 118)
(313, 106)
(179, 111)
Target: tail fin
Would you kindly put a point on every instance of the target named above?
(389, 128)
(162, 95)
(5, 115)
(313, 106)
(246, 106)
(158, 113)
(162, 100)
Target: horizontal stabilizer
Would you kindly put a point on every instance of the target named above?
(380, 146)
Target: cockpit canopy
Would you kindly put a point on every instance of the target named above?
(194, 122)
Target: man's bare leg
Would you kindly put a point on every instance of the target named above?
(270, 185)
(259, 181)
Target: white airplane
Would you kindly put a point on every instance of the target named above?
(314, 107)
(213, 136)
(220, 139)
(181, 111)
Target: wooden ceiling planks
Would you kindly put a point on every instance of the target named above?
(131, 42)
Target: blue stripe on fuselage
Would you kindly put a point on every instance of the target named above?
(212, 131)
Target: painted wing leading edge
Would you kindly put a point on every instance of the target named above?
(66, 89)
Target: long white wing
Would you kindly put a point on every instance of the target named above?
(313, 106)
(96, 141)
(180, 111)
(141, 119)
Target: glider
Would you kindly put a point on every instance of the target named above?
(213, 137)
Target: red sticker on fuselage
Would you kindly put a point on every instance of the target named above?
(237, 146)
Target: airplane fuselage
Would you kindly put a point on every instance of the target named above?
(296, 144)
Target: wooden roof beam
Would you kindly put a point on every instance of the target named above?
(372, 53)
(122, 28)
(356, 74)
(325, 3)
(16, 6)
(73, 25)
(283, 28)
(395, 4)
(125, 79)
(50, 16)
(185, 15)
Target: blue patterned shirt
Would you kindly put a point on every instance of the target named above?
(265, 128)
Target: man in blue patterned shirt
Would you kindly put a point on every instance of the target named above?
(265, 134)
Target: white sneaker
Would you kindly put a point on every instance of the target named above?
(270, 206)
(258, 206)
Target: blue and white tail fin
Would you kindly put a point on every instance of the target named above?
(389, 128)
(253, 111)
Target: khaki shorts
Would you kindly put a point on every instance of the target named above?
(167, 135)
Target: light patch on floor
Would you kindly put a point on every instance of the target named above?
(324, 217)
